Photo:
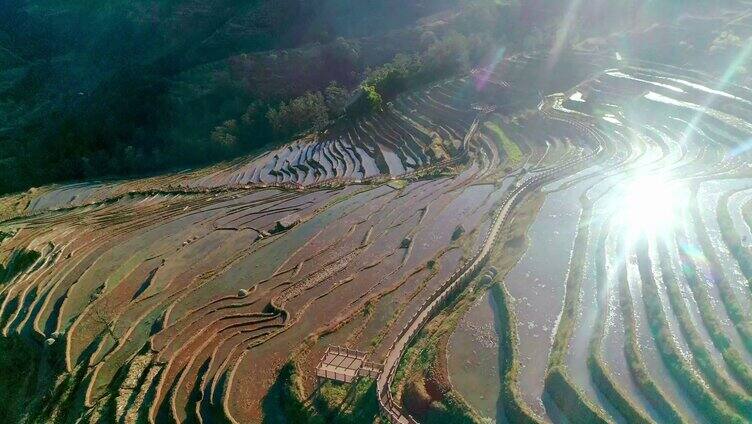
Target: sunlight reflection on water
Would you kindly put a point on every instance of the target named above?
(650, 206)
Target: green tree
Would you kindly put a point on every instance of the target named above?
(336, 96)
(225, 135)
(373, 98)
(308, 111)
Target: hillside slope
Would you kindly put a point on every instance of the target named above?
(121, 87)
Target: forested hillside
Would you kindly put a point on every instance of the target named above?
(92, 89)
(121, 87)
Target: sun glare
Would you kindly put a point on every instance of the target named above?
(650, 205)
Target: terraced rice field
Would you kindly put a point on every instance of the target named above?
(414, 131)
(632, 301)
(180, 298)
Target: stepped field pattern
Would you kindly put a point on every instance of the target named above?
(180, 297)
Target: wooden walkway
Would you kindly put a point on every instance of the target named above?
(346, 365)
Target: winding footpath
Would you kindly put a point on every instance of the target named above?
(464, 274)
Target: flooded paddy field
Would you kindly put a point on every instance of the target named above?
(654, 334)
(201, 286)
(474, 356)
(185, 297)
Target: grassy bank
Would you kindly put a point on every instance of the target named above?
(512, 151)
(742, 321)
(599, 372)
(332, 402)
(574, 404)
(515, 410)
(636, 364)
(707, 402)
(731, 238)
(421, 380)
(692, 336)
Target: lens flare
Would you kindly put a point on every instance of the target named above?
(650, 206)
(734, 68)
(484, 74)
(562, 34)
(739, 149)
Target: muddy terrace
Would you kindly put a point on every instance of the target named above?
(183, 296)
(186, 297)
